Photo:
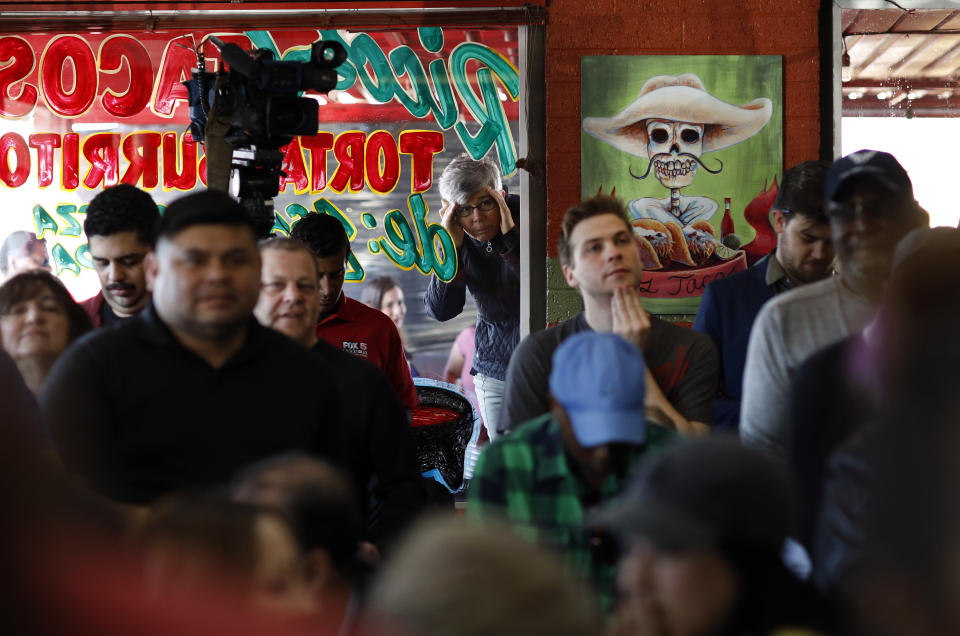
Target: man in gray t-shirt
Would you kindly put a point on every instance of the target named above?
(870, 205)
(602, 261)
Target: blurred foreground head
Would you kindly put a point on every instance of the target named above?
(920, 314)
(704, 523)
(909, 579)
(452, 577)
(206, 545)
(320, 502)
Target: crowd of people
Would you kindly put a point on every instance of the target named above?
(220, 440)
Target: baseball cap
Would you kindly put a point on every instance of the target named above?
(877, 165)
(600, 381)
(705, 492)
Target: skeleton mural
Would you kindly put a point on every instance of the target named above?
(673, 122)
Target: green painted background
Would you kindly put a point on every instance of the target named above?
(610, 83)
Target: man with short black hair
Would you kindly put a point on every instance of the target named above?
(345, 323)
(121, 228)
(869, 201)
(179, 397)
(804, 255)
(602, 261)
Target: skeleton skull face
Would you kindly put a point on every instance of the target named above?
(674, 146)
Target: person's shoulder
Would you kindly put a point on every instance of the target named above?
(800, 306)
(365, 314)
(122, 348)
(130, 333)
(751, 279)
(829, 360)
(664, 332)
(520, 446)
(544, 342)
(561, 331)
(339, 361)
(93, 303)
(804, 295)
(529, 431)
(278, 346)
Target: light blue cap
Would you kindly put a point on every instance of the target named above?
(600, 381)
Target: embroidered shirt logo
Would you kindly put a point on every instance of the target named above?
(358, 349)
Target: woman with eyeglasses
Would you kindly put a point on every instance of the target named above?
(483, 222)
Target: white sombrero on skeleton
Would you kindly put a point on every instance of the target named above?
(680, 98)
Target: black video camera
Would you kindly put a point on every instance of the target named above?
(261, 95)
(259, 100)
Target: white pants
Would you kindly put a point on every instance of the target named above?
(490, 397)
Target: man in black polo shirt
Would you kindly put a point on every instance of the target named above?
(186, 393)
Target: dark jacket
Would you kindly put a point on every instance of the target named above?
(728, 308)
(491, 271)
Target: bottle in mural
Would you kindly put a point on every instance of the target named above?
(728, 235)
(726, 225)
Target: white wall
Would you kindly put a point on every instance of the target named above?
(927, 149)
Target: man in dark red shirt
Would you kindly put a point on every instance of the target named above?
(344, 322)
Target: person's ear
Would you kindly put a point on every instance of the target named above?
(318, 568)
(779, 221)
(570, 276)
(150, 269)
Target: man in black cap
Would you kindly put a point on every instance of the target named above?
(870, 205)
(703, 526)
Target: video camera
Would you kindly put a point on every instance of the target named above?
(259, 101)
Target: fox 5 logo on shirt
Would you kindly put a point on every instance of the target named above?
(358, 349)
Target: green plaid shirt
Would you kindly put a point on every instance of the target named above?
(525, 478)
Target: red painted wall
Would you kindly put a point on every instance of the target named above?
(673, 27)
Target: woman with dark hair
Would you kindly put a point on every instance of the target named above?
(38, 319)
(385, 294)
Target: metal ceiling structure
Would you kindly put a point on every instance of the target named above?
(901, 62)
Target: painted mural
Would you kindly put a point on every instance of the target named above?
(80, 112)
(693, 145)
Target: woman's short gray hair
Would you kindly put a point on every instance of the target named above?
(465, 176)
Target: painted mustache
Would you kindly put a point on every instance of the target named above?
(669, 156)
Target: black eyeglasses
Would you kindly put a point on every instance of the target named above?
(484, 206)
